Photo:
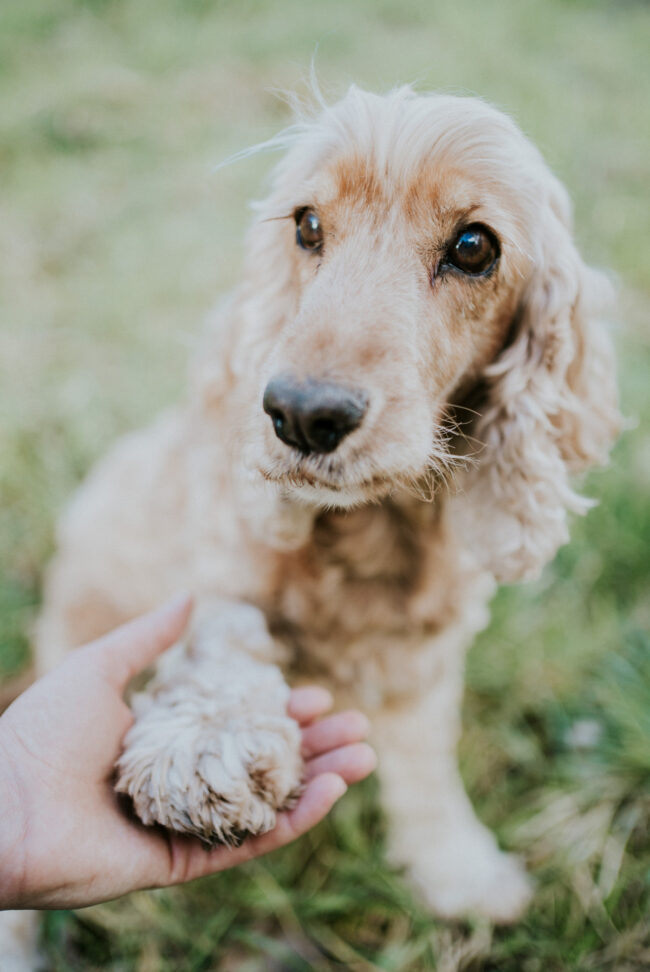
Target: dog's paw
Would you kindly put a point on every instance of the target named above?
(467, 877)
(216, 777)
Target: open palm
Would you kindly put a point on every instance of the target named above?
(67, 839)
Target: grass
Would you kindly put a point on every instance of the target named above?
(116, 236)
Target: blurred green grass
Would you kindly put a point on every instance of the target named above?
(116, 235)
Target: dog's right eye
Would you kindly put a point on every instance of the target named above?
(309, 232)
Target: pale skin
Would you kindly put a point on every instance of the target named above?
(66, 841)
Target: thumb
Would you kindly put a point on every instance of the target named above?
(127, 650)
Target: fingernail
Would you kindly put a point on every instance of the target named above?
(178, 601)
(316, 696)
(325, 695)
(364, 724)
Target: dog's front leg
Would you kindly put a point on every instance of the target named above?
(452, 858)
(212, 751)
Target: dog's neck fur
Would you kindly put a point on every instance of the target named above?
(395, 568)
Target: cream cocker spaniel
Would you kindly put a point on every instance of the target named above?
(382, 422)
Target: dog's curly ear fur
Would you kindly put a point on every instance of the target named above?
(550, 408)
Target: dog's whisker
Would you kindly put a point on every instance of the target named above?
(276, 219)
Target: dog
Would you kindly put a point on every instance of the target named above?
(381, 425)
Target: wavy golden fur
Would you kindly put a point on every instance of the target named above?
(370, 566)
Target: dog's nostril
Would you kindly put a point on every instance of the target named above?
(324, 434)
(325, 431)
(278, 420)
(280, 412)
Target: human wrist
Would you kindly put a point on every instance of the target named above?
(12, 824)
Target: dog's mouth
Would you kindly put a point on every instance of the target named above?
(323, 481)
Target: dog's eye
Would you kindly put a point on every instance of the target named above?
(309, 232)
(474, 251)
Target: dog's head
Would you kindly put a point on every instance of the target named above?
(414, 257)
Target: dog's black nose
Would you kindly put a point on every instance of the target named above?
(311, 415)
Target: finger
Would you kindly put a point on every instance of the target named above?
(317, 799)
(308, 703)
(337, 730)
(352, 763)
(127, 650)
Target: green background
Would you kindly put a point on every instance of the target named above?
(116, 236)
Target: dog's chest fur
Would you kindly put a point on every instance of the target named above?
(368, 581)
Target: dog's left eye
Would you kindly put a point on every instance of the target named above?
(474, 251)
(309, 232)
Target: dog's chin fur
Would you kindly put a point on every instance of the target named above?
(301, 483)
(304, 482)
(380, 602)
(319, 496)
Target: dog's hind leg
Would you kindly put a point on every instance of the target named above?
(452, 858)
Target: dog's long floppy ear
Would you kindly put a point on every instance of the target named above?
(550, 409)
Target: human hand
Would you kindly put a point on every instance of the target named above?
(66, 840)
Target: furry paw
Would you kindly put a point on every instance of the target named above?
(465, 879)
(218, 784)
(216, 766)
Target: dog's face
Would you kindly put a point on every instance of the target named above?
(405, 263)
(411, 248)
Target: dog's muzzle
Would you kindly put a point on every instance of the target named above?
(313, 416)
